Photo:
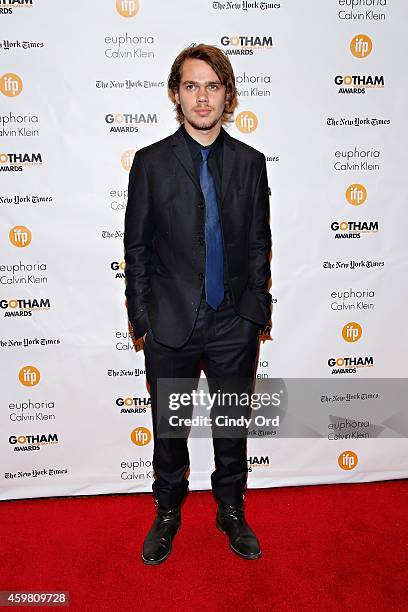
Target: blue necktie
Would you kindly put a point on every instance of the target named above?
(214, 259)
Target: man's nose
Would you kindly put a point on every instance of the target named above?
(202, 94)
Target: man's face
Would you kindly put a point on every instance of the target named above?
(201, 95)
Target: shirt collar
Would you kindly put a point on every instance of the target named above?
(195, 147)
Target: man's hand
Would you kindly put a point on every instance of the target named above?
(265, 333)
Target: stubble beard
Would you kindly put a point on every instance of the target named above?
(203, 125)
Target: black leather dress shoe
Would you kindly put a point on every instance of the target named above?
(243, 541)
(157, 545)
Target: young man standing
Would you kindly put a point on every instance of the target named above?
(197, 252)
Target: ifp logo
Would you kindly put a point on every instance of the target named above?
(356, 194)
(141, 436)
(348, 460)
(361, 46)
(127, 159)
(29, 376)
(352, 331)
(246, 122)
(127, 8)
(11, 85)
(20, 236)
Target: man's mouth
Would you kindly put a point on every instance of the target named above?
(203, 112)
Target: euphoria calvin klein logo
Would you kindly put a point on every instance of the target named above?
(127, 159)
(127, 8)
(356, 194)
(361, 46)
(352, 332)
(246, 122)
(348, 460)
(11, 85)
(29, 376)
(141, 436)
(20, 236)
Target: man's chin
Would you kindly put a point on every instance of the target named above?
(203, 125)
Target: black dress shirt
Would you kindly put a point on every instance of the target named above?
(215, 166)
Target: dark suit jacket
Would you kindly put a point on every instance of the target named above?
(164, 237)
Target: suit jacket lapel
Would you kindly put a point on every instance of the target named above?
(228, 161)
(182, 153)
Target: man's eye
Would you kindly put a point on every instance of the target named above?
(190, 86)
(213, 86)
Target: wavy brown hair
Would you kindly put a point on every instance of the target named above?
(219, 62)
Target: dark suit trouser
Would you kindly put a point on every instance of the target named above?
(225, 345)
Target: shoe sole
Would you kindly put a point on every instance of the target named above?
(247, 557)
(148, 562)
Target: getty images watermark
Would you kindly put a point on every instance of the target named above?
(324, 408)
(227, 408)
(222, 402)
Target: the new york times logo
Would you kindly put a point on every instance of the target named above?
(245, 5)
(8, 45)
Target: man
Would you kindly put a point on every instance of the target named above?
(197, 252)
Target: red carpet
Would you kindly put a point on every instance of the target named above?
(329, 548)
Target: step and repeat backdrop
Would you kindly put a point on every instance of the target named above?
(322, 93)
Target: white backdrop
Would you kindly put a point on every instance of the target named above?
(82, 87)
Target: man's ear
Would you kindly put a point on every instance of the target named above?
(177, 97)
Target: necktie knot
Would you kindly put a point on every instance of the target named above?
(205, 153)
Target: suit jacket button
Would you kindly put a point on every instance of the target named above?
(201, 205)
(201, 276)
